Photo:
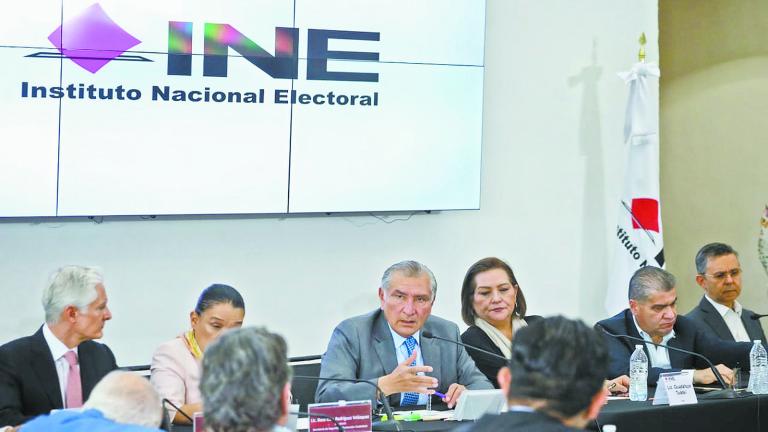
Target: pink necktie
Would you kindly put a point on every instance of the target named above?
(74, 392)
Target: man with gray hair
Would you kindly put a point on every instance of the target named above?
(121, 401)
(246, 382)
(718, 273)
(385, 347)
(59, 365)
(652, 316)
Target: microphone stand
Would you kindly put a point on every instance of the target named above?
(389, 425)
(725, 393)
(338, 426)
(429, 335)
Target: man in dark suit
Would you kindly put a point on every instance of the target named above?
(652, 316)
(558, 366)
(719, 275)
(385, 347)
(58, 366)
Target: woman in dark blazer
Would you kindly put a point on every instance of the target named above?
(493, 306)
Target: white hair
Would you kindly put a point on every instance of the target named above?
(128, 398)
(70, 286)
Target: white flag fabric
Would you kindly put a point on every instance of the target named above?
(638, 238)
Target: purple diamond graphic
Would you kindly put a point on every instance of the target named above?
(92, 39)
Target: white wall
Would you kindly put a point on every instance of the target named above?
(552, 162)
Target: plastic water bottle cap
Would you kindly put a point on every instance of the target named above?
(609, 428)
(756, 341)
(639, 346)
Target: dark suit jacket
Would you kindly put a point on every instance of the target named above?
(29, 385)
(688, 336)
(517, 421)
(706, 315)
(362, 348)
(488, 365)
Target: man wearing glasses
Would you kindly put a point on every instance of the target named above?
(719, 274)
(387, 347)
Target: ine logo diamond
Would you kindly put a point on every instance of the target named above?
(91, 39)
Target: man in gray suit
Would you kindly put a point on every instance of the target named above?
(719, 274)
(385, 347)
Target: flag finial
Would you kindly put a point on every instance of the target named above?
(641, 54)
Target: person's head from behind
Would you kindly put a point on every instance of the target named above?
(219, 307)
(407, 292)
(246, 381)
(557, 367)
(718, 272)
(490, 292)
(128, 398)
(653, 300)
(75, 302)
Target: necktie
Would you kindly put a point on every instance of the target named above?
(410, 398)
(74, 391)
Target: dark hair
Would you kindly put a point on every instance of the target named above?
(560, 361)
(468, 288)
(219, 293)
(712, 250)
(244, 373)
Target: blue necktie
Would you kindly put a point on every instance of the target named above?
(410, 398)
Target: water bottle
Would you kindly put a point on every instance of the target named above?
(638, 375)
(758, 369)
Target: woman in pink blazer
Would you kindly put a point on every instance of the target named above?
(177, 364)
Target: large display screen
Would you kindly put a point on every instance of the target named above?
(149, 107)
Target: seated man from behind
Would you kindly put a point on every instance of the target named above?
(653, 317)
(554, 379)
(719, 275)
(246, 382)
(58, 366)
(385, 347)
(121, 402)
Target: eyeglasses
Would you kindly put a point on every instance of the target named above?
(724, 274)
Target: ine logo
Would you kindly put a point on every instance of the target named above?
(92, 40)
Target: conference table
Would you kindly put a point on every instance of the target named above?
(746, 414)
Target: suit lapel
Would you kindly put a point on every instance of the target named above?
(715, 320)
(87, 369)
(43, 366)
(430, 353)
(384, 345)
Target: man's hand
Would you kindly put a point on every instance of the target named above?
(453, 393)
(705, 376)
(405, 379)
(617, 385)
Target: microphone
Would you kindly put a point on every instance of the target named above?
(726, 392)
(338, 426)
(429, 335)
(389, 425)
(166, 401)
(755, 316)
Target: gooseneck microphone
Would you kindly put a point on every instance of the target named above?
(166, 401)
(756, 316)
(429, 335)
(725, 393)
(389, 425)
(338, 426)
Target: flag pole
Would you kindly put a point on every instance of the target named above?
(641, 54)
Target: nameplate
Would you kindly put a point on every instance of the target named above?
(352, 416)
(675, 388)
(198, 424)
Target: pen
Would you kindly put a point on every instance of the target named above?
(442, 396)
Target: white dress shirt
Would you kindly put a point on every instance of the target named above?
(659, 355)
(58, 349)
(402, 355)
(732, 318)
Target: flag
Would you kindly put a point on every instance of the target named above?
(638, 240)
